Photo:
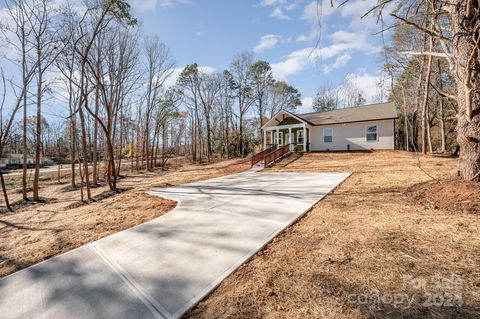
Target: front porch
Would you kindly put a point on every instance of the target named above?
(288, 129)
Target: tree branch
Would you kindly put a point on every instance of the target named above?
(443, 93)
(435, 54)
(430, 32)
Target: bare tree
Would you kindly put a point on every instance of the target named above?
(159, 67)
(240, 70)
(188, 85)
(262, 81)
(47, 47)
(326, 99)
(282, 96)
(208, 89)
(20, 42)
(455, 26)
(6, 122)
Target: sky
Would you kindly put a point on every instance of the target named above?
(308, 43)
(286, 33)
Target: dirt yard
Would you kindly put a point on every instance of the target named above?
(37, 232)
(395, 240)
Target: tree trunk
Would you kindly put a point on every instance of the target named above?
(209, 136)
(111, 173)
(429, 134)
(443, 133)
(241, 135)
(73, 145)
(95, 140)
(38, 137)
(84, 148)
(24, 142)
(425, 100)
(260, 111)
(405, 119)
(5, 195)
(468, 90)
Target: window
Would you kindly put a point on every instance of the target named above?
(327, 135)
(371, 133)
(300, 137)
(280, 138)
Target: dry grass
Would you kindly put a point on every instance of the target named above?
(39, 231)
(367, 239)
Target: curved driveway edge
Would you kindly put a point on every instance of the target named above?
(162, 268)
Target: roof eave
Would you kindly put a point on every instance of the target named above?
(359, 121)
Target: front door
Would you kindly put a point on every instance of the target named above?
(280, 138)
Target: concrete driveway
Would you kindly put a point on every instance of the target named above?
(163, 267)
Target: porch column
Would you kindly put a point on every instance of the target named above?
(278, 137)
(310, 139)
(264, 139)
(304, 138)
(290, 138)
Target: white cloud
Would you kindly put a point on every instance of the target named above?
(358, 8)
(267, 42)
(282, 70)
(297, 60)
(314, 11)
(278, 13)
(324, 16)
(340, 62)
(341, 43)
(146, 5)
(343, 36)
(303, 38)
(306, 106)
(357, 39)
(266, 3)
(316, 14)
(371, 86)
(281, 6)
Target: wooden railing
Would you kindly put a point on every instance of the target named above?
(277, 154)
(261, 156)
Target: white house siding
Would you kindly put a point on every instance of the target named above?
(354, 134)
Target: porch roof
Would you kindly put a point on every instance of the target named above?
(280, 116)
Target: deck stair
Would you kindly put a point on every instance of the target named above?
(258, 159)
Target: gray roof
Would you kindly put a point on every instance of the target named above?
(370, 112)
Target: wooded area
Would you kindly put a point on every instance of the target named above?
(434, 65)
(93, 59)
(431, 58)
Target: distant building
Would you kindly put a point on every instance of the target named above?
(17, 159)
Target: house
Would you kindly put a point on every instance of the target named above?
(356, 128)
(14, 159)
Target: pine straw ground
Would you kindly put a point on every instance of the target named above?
(37, 232)
(374, 248)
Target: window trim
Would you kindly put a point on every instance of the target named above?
(280, 134)
(376, 133)
(298, 136)
(331, 130)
